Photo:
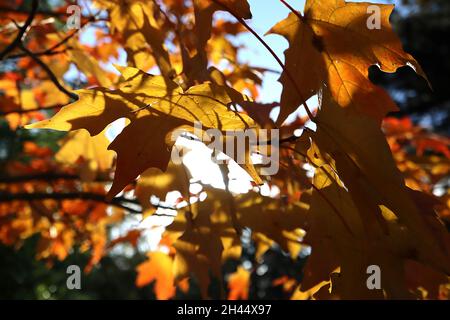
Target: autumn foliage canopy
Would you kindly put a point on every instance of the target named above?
(355, 185)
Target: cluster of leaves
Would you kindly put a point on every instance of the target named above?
(371, 199)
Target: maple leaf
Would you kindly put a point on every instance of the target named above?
(207, 236)
(198, 252)
(157, 183)
(204, 239)
(373, 220)
(196, 67)
(92, 151)
(156, 107)
(204, 10)
(331, 44)
(272, 222)
(157, 268)
(136, 22)
(88, 64)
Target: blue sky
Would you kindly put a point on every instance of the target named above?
(266, 13)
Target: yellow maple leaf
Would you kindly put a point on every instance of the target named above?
(363, 214)
(157, 268)
(332, 44)
(92, 151)
(156, 107)
(155, 182)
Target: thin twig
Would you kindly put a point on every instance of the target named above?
(43, 176)
(292, 9)
(118, 202)
(22, 30)
(49, 72)
(288, 74)
(38, 54)
(50, 51)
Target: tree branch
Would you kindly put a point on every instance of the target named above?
(49, 72)
(21, 111)
(18, 40)
(43, 176)
(38, 54)
(118, 202)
